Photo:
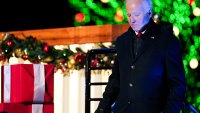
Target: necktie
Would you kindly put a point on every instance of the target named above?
(139, 35)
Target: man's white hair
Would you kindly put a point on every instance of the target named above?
(147, 4)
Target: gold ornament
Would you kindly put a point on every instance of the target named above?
(47, 59)
(69, 65)
(72, 61)
(18, 52)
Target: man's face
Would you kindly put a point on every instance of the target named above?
(137, 15)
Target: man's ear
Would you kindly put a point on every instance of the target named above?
(150, 13)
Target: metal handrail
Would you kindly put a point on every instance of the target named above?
(189, 108)
(88, 69)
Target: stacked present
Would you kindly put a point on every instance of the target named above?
(27, 88)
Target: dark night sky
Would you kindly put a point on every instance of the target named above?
(34, 14)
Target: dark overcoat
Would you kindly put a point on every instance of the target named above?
(151, 82)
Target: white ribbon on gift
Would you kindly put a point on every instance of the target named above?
(39, 83)
(37, 108)
(39, 87)
(7, 85)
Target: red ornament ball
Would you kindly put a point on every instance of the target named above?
(80, 17)
(79, 57)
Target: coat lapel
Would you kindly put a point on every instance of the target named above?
(148, 39)
(130, 43)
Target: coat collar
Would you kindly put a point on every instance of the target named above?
(148, 38)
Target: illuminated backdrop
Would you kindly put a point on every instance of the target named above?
(182, 15)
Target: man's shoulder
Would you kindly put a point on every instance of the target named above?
(123, 35)
(166, 35)
(165, 32)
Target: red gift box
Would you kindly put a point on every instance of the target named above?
(26, 108)
(27, 83)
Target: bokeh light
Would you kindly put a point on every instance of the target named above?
(156, 18)
(80, 17)
(176, 30)
(119, 15)
(194, 63)
(196, 11)
(104, 1)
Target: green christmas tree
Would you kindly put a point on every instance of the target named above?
(183, 16)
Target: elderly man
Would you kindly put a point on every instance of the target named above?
(148, 74)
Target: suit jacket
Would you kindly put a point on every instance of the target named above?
(151, 82)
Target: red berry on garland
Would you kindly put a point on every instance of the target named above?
(25, 57)
(9, 43)
(46, 48)
(95, 62)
